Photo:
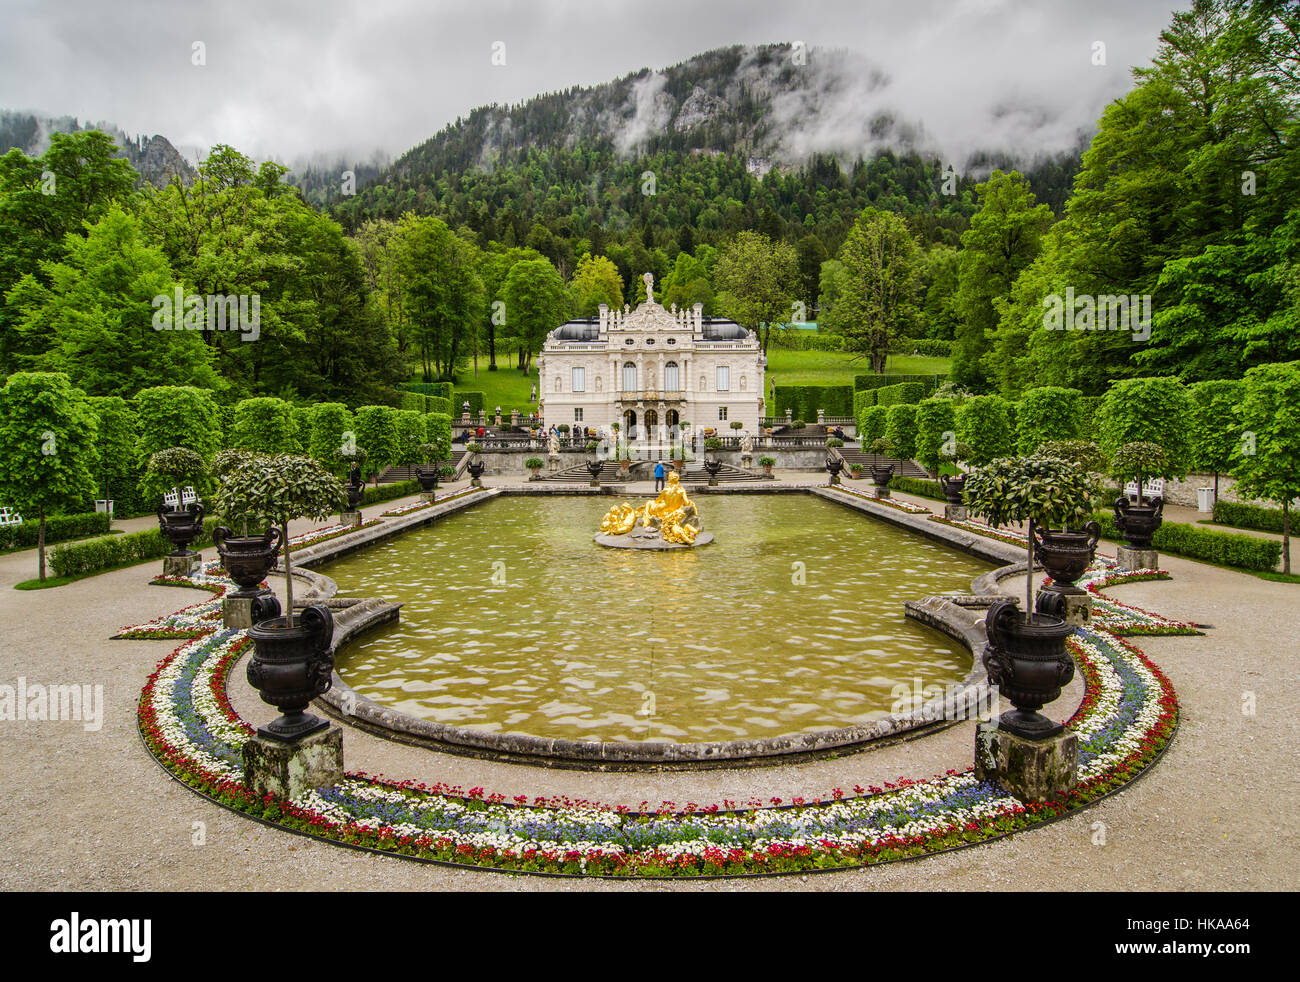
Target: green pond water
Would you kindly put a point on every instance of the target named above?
(516, 621)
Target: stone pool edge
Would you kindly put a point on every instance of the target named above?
(958, 616)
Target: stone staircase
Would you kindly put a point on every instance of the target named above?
(643, 470)
(902, 468)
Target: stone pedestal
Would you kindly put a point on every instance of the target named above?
(954, 513)
(514, 418)
(237, 612)
(428, 496)
(747, 461)
(835, 480)
(182, 565)
(482, 417)
(1032, 770)
(879, 492)
(350, 518)
(821, 417)
(1130, 558)
(287, 770)
(1077, 608)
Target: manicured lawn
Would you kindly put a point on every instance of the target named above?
(508, 389)
(838, 368)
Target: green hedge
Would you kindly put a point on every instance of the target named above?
(904, 393)
(1193, 542)
(930, 347)
(440, 389)
(413, 402)
(111, 551)
(437, 404)
(387, 492)
(805, 400)
(805, 340)
(1251, 517)
(919, 487)
(475, 400)
(58, 528)
(931, 382)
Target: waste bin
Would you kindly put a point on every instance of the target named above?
(1205, 499)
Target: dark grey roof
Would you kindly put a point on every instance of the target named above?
(578, 331)
(723, 331)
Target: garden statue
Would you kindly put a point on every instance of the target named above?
(670, 518)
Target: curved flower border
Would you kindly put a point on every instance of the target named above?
(1127, 717)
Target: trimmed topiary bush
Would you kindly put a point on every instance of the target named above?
(936, 427)
(1046, 413)
(1148, 410)
(264, 425)
(900, 430)
(984, 425)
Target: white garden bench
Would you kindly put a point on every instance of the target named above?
(10, 517)
(177, 499)
(1154, 488)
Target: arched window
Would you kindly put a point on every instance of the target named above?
(629, 377)
(672, 382)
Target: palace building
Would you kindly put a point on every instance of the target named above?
(650, 369)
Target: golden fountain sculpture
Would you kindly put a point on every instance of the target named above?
(672, 515)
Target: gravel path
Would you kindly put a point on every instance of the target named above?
(91, 810)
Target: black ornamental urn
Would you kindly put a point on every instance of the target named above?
(428, 478)
(1138, 522)
(834, 465)
(291, 666)
(247, 558)
(1027, 660)
(1065, 555)
(476, 468)
(181, 526)
(594, 467)
(713, 466)
(355, 488)
(880, 477)
(953, 487)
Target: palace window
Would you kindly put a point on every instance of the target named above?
(629, 377)
(577, 415)
(722, 414)
(724, 378)
(579, 380)
(672, 381)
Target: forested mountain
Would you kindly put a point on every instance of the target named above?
(735, 138)
(153, 158)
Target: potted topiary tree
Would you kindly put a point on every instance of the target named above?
(172, 471)
(535, 465)
(855, 469)
(1138, 521)
(1026, 656)
(767, 463)
(246, 557)
(291, 664)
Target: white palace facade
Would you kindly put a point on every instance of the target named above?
(650, 369)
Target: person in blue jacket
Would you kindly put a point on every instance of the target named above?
(659, 476)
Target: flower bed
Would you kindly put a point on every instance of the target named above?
(1126, 718)
(327, 532)
(1002, 535)
(906, 506)
(418, 505)
(189, 622)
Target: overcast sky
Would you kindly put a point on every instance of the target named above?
(286, 79)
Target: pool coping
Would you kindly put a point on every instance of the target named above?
(960, 616)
